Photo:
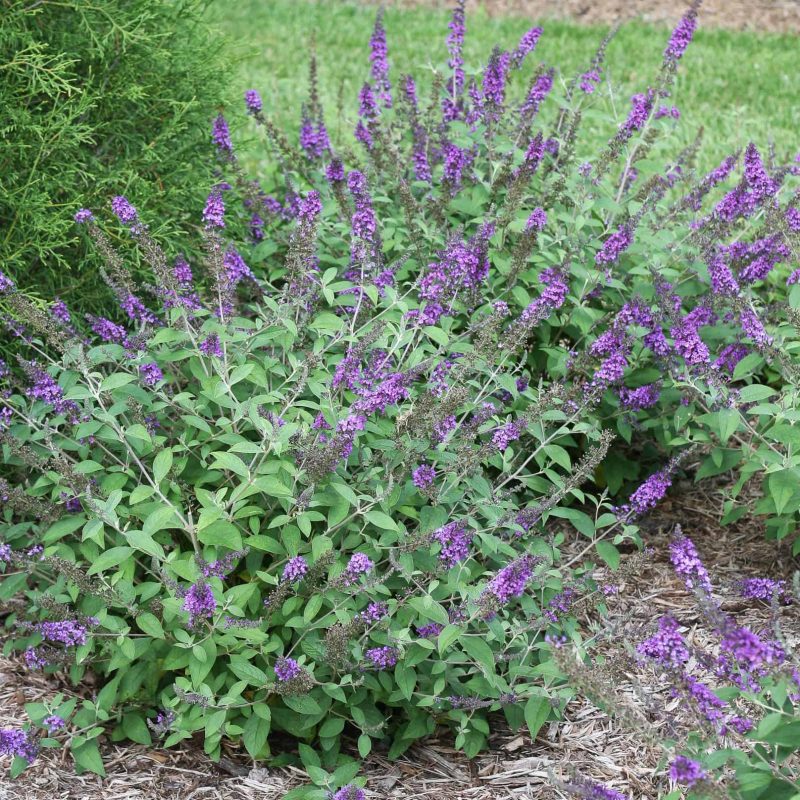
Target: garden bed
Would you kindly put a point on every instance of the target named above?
(514, 767)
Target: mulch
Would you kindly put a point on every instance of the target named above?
(514, 768)
(777, 16)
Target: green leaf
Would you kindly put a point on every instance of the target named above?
(364, 745)
(448, 635)
(728, 421)
(110, 558)
(63, 527)
(537, 710)
(608, 553)
(87, 758)
(134, 727)
(162, 464)
(781, 487)
(221, 533)
(232, 463)
(140, 540)
(163, 517)
(149, 623)
(381, 520)
(480, 651)
(248, 672)
(256, 731)
(115, 381)
(303, 704)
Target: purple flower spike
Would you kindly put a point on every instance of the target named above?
(221, 135)
(53, 723)
(349, 792)
(380, 63)
(211, 346)
(382, 657)
(214, 212)
(252, 99)
(199, 602)
(150, 374)
(359, 564)
(687, 564)
(286, 669)
(681, 36)
(423, 476)
(18, 743)
(455, 540)
(295, 569)
(123, 210)
(83, 215)
(537, 220)
(686, 771)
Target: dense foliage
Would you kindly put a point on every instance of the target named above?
(97, 98)
(357, 475)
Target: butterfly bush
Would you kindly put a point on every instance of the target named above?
(323, 479)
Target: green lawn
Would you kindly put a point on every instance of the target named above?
(740, 86)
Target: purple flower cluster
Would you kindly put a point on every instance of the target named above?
(614, 246)
(294, 570)
(53, 723)
(462, 267)
(537, 94)
(221, 136)
(382, 657)
(666, 647)
(590, 81)
(762, 589)
(681, 37)
(722, 280)
(423, 476)
(455, 539)
(640, 398)
(150, 374)
(60, 311)
(358, 565)
(221, 567)
(214, 212)
(287, 669)
(199, 603)
(493, 88)
(18, 743)
(314, 138)
(527, 44)
(67, 632)
(686, 771)
(45, 388)
(512, 579)
(252, 101)
(537, 220)
(123, 210)
(687, 564)
(211, 346)
(641, 107)
(648, 494)
(349, 792)
(379, 61)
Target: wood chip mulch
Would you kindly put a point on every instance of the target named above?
(514, 768)
(775, 16)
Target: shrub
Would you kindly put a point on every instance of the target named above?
(331, 487)
(98, 98)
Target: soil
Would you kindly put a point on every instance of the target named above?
(777, 16)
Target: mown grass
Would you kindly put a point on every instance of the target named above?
(739, 86)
